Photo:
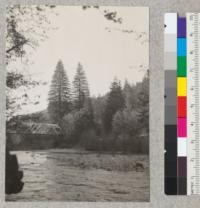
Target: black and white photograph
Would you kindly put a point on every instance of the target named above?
(77, 104)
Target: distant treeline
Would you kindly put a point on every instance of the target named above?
(117, 121)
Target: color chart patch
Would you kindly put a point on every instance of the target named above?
(182, 102)
(181, 96)
(170, 59)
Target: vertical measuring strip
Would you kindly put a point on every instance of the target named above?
(181, 107)
(170, 66)
(193, 105)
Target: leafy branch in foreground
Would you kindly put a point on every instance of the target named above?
(109, 15)
(26, 26)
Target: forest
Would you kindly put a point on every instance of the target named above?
(116, 121)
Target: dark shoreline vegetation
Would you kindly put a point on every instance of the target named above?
(115, 122)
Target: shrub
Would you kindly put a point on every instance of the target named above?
(90, 141)
(75, 124)
(126, 130)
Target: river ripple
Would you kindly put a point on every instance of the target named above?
(70, 175)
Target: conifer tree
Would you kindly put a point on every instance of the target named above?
(143, 104)
(130, 96)
(59, 94)
(115, 102)
(80, 88)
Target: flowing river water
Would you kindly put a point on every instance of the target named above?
(72, 175)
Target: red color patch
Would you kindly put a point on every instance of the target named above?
(182, 107)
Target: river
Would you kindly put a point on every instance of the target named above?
(73, 175)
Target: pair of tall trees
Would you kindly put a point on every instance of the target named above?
(63, 99)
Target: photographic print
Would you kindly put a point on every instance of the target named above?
(77, 104)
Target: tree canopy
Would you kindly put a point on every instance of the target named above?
(80, 88)
(59, 94)
(115, 102)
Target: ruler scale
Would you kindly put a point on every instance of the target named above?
(193, 144)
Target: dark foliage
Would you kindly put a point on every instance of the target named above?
(143, 104)
(59, 94)
(80, 88)
(115, 102)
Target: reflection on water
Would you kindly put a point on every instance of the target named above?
(55, 176)
(34, 158)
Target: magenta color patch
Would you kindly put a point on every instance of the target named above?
(182, 127)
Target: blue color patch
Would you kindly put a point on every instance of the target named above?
(181, 46)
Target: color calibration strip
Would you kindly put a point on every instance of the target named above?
(181, 107)
(170, 66)
(175, 52)
(182, 104)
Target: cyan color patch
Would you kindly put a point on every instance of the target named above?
(181, 46)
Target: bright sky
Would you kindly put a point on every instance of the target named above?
(104, 53)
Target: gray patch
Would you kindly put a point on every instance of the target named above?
(170, 96)
(170, 43)
(170, 114)
(170, 61)
(170, 79)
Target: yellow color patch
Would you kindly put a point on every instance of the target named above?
(181, 86)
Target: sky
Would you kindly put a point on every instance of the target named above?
(100, 45)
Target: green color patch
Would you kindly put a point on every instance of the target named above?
(182, 66)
